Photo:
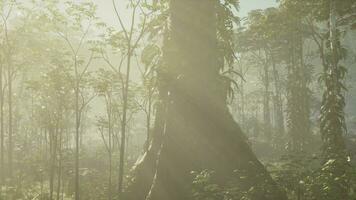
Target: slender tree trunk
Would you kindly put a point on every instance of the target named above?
(59, 165)
(148, 122)
(43, 157)
(53, 154)
(110, 149)
(77, 133)
(10, 134)
(294, 122)
(242, 97)
(279, 116)
(110, 176)
(124, 118)
(304, 92)
(8, 59)
(2, 136)
(266, 100)
(62, 190)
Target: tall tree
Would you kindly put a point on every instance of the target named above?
(79, 18)
(199, 133)
(7, 8)
(335, 16)
(106, 86)
(333, 125)
(2, 132)
(132, 37)
(257, 40)
(299, 74)
(151, 58)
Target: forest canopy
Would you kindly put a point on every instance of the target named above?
(177, 100)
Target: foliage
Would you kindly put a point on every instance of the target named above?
(302, 177)
(53, 51)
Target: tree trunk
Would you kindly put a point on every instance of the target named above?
(10, 150)
(278, 102)
(298, 92)
(125, 94)
(198, 131)
(60, 146)
(110, 146)
(144, 171)
(266, 99)
(2, 135)
(333, 125)
(53, 154)
(148, 122)
(77, 134)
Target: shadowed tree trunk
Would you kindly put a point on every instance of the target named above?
(2, 132)
(266, 99)
(332, 126)
(278, 104)
(298, 108)
(194, 130)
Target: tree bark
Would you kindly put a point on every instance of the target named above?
(197, 130)
(145, 169)
(332, 124)
(59, 164)
(279, 116)
(2, 135)
(266, 98)
(10, 134)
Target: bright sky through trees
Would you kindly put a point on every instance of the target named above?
(105, 10)
(248, 5)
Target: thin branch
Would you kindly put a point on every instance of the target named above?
(120, 20)
(85, 103)
(82, 38)
(108, 62)
(86, 66)
(141, 32)
(67, 41)
(101, 130)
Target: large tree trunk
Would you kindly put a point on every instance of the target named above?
(197, 129)
(145, 169)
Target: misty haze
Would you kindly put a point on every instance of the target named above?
(177, 99)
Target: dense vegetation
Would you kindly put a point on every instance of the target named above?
(181, 100)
